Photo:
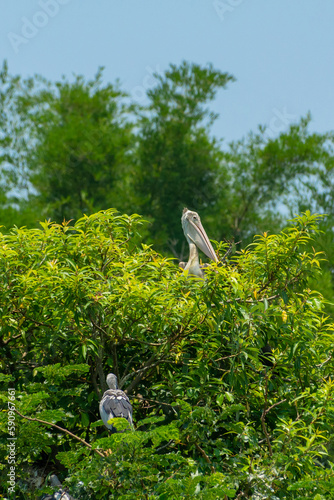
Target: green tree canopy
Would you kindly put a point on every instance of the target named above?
(264, 174)
(215, 416)
(74, 147)
(82, 150)
(67, 143)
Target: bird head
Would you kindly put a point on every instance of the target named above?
(112, 381)
(195, 233)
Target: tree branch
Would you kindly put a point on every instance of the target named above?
(63, 430)
(142, 371)
(206, 458)
(251, 301)
(263, 418)
(265, 412)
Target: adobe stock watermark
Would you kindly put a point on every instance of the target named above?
(280, 120)
(11, 445)
(31, 27)
(225, 7)
(139, 92)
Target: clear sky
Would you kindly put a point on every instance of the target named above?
(281, 52)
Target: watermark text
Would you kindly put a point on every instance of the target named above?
(30, 27)
(11, 445)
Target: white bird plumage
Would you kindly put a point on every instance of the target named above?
(196, 238)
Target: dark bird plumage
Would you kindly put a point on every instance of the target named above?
(114, 403)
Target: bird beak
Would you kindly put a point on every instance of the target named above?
(201, 240)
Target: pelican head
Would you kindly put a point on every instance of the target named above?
(195, 233)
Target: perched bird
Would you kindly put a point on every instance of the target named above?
(114, 403)
(60, 494)
(196, 238)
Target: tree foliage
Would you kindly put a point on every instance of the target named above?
(66, 144)
(265, 174)
(216, 415)
(230, 378)
(82, 150)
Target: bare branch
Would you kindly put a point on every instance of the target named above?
(143, 370)
(138, 396)
(275, 404)
(251, 301)
(263, 418)
(264, 414)
(206, 458)
(324, 363)
(227, 357)
(44, 422)
(229, 250)
(171, 441)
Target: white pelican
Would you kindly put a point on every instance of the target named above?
(196, 237)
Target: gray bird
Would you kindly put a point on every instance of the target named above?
(114, 404)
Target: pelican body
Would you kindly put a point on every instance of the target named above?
(114, 403)
(196, 238)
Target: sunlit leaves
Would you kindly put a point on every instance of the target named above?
(230, 377)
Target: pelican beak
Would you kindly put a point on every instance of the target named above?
(199, 237)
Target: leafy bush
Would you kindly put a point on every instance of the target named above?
(229, 378)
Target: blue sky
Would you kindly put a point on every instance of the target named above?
(281, 52)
